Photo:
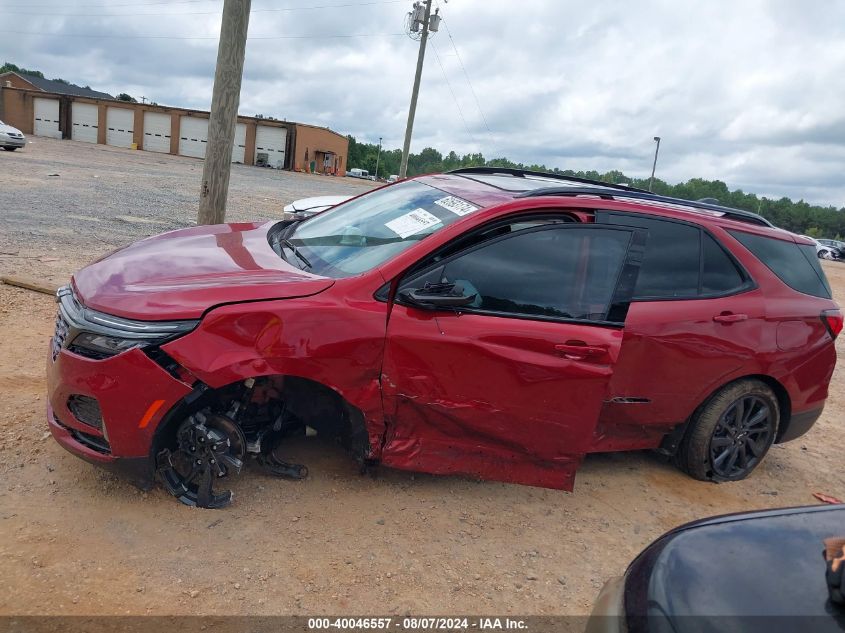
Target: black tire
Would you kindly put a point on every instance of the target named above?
(730, 434)
(10, 149)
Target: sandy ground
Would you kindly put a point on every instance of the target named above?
(76, 540)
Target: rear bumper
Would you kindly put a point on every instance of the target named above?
(799, 424)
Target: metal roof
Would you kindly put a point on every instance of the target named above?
(51, 85)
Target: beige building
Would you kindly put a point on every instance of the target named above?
(85, 115)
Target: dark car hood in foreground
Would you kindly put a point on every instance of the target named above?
(179, 275)
(760, 571)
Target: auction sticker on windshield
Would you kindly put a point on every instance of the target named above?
(413, 222)
(456, 205)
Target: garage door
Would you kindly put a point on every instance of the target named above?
(120, 123)
(157, 132)
(83, 122)
(271, 141)
(46, 118)
(239, 146)
(193, 136)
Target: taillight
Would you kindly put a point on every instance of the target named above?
(833, 321)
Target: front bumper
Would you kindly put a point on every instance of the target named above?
(126, 387)
(7, 141)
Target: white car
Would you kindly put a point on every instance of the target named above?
(11, 137)
(822, 251)
(306, 207)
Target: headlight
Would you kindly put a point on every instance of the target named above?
(97, 335)
(102, 345)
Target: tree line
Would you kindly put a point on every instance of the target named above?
(799, 217)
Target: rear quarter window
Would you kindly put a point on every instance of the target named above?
(795, 264)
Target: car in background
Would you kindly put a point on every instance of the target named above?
(490, 322)
(392, 178)
(359, 173)
(306, 207)
(822, 251)
(837, 247)
(11, 138)
(755, 572)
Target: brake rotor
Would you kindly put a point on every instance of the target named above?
(209, 448)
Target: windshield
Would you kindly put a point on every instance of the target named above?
(358, 235)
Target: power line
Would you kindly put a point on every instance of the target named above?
(274, 10)
(204, 37)
(449, 85)
(466, 74)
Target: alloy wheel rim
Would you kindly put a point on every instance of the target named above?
(741, 437)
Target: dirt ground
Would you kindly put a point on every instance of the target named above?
(76, 540)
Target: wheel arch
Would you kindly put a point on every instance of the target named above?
(672, 440)
(348, 420)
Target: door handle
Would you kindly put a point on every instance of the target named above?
(578, 350)
(730, 318)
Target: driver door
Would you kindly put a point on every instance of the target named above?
(509, 385)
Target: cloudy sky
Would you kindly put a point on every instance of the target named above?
(751, 92)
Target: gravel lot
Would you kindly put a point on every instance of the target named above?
(76, 540)
(103, 197)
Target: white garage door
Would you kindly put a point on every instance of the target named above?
(239, 146)
(271, 141)
(157, 132)
(120, 123)
(83, 122)
(193, 136)
(46, 118)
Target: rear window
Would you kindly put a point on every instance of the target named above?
(795, 264)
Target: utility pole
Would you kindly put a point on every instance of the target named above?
(378, 155)
(415, 24)
(224, 111)
(654, 166)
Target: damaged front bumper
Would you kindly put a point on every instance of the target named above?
(107, 411)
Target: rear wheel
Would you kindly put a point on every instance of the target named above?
(731, 433)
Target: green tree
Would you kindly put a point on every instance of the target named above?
(125, 97)
(10, 67)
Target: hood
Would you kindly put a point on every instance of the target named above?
(8, 128)
(180, 275)
(306, 204)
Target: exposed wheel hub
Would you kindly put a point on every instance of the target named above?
(208, 448)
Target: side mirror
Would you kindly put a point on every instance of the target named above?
(438, 296)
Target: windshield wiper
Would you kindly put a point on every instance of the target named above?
(295, 251)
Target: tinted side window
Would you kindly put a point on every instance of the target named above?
(671, 266)
(797, 266)
(554, 272)
(718, 273)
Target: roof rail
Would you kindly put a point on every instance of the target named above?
(522, 173)
(635, 194)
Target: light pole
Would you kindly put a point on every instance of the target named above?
(378, 155)
(654, 166)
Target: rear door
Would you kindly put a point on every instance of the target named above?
(696, 319)
(510, 387)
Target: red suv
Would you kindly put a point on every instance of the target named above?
(495, 323)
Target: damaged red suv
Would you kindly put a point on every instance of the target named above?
(495, 323)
